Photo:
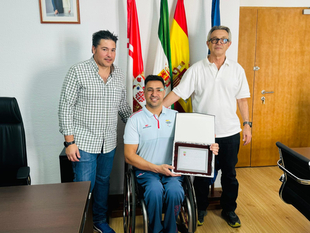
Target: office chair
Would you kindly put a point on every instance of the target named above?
(13, 157)
(295, 188)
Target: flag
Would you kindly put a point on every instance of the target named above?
(135, 61)
(162, 65)
(180, 52)
(216, 21)
(215, 13)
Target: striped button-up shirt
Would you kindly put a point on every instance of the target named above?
(89, 107)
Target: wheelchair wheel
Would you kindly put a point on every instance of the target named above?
(145, 217)
(129, 208)
(187, 221)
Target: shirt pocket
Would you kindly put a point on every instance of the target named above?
(114, 96)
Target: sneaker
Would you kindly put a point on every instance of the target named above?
(201, 216)
(103, 228)
(231, 218)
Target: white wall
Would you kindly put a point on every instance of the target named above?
(35, 58)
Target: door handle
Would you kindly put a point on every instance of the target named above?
(267, 92)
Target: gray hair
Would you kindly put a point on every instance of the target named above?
(219, 28)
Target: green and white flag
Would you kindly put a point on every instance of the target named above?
(162, 65)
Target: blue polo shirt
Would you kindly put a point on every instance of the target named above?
(153, 134)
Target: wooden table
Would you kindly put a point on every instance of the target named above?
(305, 151)
(50, 208)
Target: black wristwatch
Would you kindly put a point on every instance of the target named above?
(247, 122)
(66, 144)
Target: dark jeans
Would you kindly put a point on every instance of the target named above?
(96, 168)
(226, 160)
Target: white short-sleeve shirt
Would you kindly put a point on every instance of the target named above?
(215, 92)
(153, 134)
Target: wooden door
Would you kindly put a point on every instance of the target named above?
(280, 39)
(246, 57)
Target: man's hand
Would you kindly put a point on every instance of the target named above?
(165, 169)
(246, 134)
(73, 153)
(215, 148)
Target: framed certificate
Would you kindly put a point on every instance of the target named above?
(193, 159)
(194, 133)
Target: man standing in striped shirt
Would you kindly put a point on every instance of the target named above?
(92, 96)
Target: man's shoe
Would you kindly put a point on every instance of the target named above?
(231, 218)
(201, 216)
(103, 228)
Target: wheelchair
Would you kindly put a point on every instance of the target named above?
(133, 202)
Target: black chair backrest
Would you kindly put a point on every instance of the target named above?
(295, 188)
(13, 153)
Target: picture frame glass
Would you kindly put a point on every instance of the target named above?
(59, 11)
(193, 159)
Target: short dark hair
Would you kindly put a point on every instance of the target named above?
(154, 78)
(106, 35)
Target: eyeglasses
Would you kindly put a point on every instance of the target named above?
(156, 90)
(216, 40)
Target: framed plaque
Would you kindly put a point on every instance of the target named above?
(192, 159)
(194, 133)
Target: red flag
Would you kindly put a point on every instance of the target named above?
(135, 61)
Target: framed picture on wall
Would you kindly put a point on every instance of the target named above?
(59, 11)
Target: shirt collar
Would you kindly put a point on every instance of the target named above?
(95, 66)
(149, 114)
(226, 62)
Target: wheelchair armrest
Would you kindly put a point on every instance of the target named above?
(295, 178)
(23, 173)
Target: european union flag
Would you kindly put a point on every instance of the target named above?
(215, 14)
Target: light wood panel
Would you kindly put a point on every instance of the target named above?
(284, 68)
(284, 61)
(246, 57)
(259, 207)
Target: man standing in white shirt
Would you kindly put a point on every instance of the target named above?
(215, 85)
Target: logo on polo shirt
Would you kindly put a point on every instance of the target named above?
(147, 126)
(168, 123)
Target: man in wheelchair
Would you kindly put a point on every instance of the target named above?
(148, 140)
